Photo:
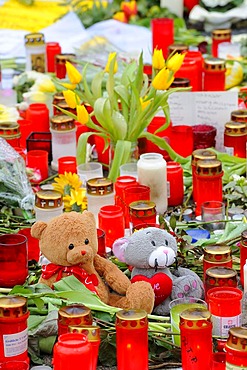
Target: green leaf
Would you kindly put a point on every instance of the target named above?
(66, 112)
(103, 114)
(39, 303)
(121, 155)
(96, 85)
(120, 125)
(34, 321)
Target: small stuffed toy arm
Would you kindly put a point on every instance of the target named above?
(112, 275)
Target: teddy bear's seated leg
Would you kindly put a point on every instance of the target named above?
(187, 284)
(140, 295)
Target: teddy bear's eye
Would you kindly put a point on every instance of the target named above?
(153, 243)
(71, 246)
(86, 241)
(166, 242)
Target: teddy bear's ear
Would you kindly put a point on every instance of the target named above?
(38, 228)
(119, 247)
(89, 215)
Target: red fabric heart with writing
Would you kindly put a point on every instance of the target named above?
(161, 284)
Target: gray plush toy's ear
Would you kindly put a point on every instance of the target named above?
(38, 228)
(119, 247)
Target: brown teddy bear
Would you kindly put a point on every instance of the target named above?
(69, 242)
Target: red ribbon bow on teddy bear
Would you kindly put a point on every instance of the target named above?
(89, 280)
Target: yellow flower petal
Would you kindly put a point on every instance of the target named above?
(163, 79)
(74, 75)
(121, 17)
(110, 58)
(144, 104)
(158, 61)
(70, 98)
(68, 86)
(82, 114)
(174, 63)
(234, 75)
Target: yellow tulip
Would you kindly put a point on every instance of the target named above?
(46, 86)
(70, 98)
(68, 86)
(158, 60)
(163, 79)
(129, 7)
(110, 57)
(74, 75)
(82, 114)
(120, 16)
(174, 63)
(144, 104)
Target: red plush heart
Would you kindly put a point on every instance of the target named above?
(161, 284)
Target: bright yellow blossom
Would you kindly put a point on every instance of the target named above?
(74, 75)
(64, 182)
(158, 61)
(163, 79)
(82, 114)
(78, 197)
(145, 103)
(234, 75)
(129, 7)
(110, 57)
(120, 16)
(174, 63)
(68, 86)
(46, 86)
(70, 98)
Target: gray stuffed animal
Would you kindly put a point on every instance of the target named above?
(150, 252)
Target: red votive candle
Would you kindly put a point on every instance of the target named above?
(243, 255)
(60, 64)
(235, 135)
(143, 212)
(38, 114)
(132, 340)
(122, 183)
(73, 315)
(67, 164)
(236, 348)
(216, 256)
(14, 365)
(38, 159)
(162, 33)
(14, 260)
(33, 250)
(156, 124)
(52, 49)
(204, 136)
(219, 276)
(198, 58)
(219, 36)
(26, 127)
(10, 131)
(189, 69)
(111, 220)
(13, 329)
(214, 74)
(175, 183)
(71, 351)
(182, 140)
(196, 339)
(132, 194)
(101, 242)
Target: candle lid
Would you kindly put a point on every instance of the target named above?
(221, 272)
(193, 316)
(13, 306)
(48, 199)
(63, 58)
(142, 205)
(131, 319)
(235, 128)
(99, 186)
(62, 122)
(221, 34)
(202, 154)
(75, 310)
(177, 48)
(208, 167)
(239, 115)
(10, 130)
(217, 253)
(237, 339)
(34, 39)
(91, 331)
(214, 64)
(180, 82)
(244, 238)
(58, 97)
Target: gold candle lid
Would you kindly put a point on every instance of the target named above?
(217, 253)
(202, 154)
(142, 205)
(63, 58)
(237, 339)
(75, 314)
(131, 319)
(214, 64)
(99, 186)
(180, 82)
(221, 272)
(235, 128)
(10, 130)
(91, 331)
(13, 306)
(58, 97)
(48, 199)
(177, 48)
(239, 115)
(34, 39)
(208, 167)
(62, 122)
(191, 317)
(244, 238)
(221, 34)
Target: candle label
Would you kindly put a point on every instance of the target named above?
(15, 344)
(221, 325)
(229, 150)
(234, 367)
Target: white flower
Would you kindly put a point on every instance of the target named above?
(8, 114)
(236, 177)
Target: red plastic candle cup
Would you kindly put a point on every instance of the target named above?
(10, 131)
(235, 135)
(162, 34)
(204, 136)
(14, 365)
(189, 69)
(236, 350)
(73, 315)
(71, 350)
(14, 260)
(225, 306)
(243, 255)
(67, 164)
(101, 242)
(132, 340)
(38, 159)
(52, 49)
(111, 220)
(38, 114)
(132, 194)
(198, 58)
(196, 339)
(182, 140)
(13, 329)
(214, 74)
(219, 36)
(219, 361)
(175, 189)
(219, 276)
(155, 124)
(216, 256)
(143, 211)
(33, 250)
(40, 141)
(26, 127)
(122, 183)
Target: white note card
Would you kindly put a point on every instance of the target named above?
(207, 107)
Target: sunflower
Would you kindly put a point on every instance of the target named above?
(67, 181)
(78, 200)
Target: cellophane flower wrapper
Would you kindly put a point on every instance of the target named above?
(15, 188)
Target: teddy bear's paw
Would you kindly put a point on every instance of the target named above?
(141, 296)
(187, 286)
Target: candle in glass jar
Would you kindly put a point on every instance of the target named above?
(239, 115)
(122, 183)
(111, 220)
(142, 212)
(214, 74)
(60, 64)
(236, 348)
(175, 183)
(243, 255)
(235, 135)
(220, 276)
(219, 36)
(52, 49)
(151, 170)
(216, 255)
(189, 69)
(73, 315)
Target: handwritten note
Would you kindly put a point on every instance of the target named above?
(210, 108)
